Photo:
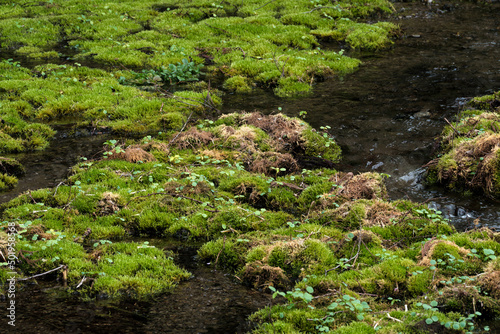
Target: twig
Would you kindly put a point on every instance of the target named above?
(223, 246)
(376, 324)
(181, 99)
(455, 130)
(224, 31)
(81, 282)
(321, 7)
(47, 272)
(182, 129)
(173, 195)
(389, 316)
(282, 70)
(242, 51)
(29, 194)
(1, 253)
(267, 3)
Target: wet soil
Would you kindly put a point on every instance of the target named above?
(210, 302)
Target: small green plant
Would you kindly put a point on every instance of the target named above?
(346, 304)
(329, 140)
(112, 148)
(102, 242)
(295, 297)
(183, 71)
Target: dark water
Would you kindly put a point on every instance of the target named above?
(211, 302)
(385, 116)
(51, 166)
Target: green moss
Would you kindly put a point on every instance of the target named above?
(7, 181)
(355, 328)
(237, 84)
(291, 87)
(320, 145)
(256, 254)
(366, 36)
(468, 161)
(225, 251)
(420, 281)
(133, 270)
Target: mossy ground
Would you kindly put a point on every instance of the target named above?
(470, 155)
(272, 45)
(331, 239)
(350, 259)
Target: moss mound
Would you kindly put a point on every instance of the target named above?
(470, 158)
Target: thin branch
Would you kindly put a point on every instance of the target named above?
(389, 316)
(182, 129)
(455, 130)
(47, 272)
(267, 3)
(81, 282)
(317, 8)
(224, 31)
(223, 246)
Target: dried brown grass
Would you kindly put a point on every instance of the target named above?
(39, 230)
(193, 138)
(261, 275)
(428, 250)
(265, 163)
(362, 186)
(490, 282)
(108, 204)
(285, 131)
(483, 151)
(381, 214)
(133, 154)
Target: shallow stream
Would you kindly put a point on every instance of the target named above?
(385, 116)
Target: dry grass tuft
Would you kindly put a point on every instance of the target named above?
(286, 132)
(133, 154)
(267, 162)
(381, 214)
(108, 204)
(193, 138)
(490, 282)
(363, 186)
(262, 276)
(483, 152)
(39, 230)
(428, 250)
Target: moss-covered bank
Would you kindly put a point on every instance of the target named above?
(148, 47)
(270, 43)
(469, 160)
(343, 257)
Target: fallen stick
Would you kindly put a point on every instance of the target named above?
(47, 272)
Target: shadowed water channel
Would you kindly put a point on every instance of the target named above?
(385, 116)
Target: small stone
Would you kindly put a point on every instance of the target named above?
(422, 114)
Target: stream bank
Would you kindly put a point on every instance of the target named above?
(386, 155)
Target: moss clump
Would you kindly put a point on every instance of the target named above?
(470, 158)
(7, 182)
(11, 166)
(237, 84)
